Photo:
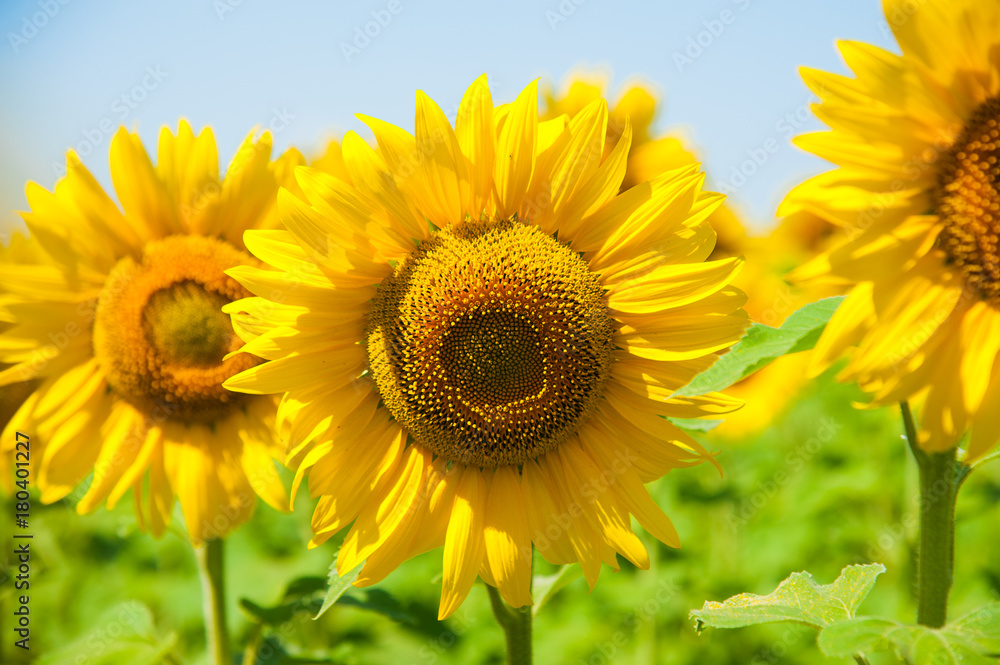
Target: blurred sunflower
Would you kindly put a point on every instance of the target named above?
(18, 249)
(120, 324)
(769, 298)
(477, 336)
(916, 139)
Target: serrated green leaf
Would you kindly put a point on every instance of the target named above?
(798, 599)
(337, 585)
(763, 344)
(919, 645)
(547, 586)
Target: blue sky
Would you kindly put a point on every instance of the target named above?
(726, 71)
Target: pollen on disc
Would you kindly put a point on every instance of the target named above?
(491, 343)
(159, 332)
(968, 201)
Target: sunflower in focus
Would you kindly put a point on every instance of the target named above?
(119, 323)
(476, 336)
(916, 138)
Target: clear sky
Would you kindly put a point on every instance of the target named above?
(726, 71)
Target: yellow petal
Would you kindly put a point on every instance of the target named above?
(463, 544)
(477, 139)
(444, 162)
(515, 156)
(508, 547)
(672, 286)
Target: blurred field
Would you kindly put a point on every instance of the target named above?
(825, 486)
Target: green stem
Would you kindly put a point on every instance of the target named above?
(253, 645)
(516, 624)
(939, 478)
(213, 591)
(985, 460)
(860, 659)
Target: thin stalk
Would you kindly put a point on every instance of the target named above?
(213, 591)
(253, 644)
(516, 624)
(939, 476)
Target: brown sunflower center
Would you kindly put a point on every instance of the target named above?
(160, 334)
(968, 201)
(490, 343)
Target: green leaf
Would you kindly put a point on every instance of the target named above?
(797, 599)
(275, 654)
(763, 344)
(123, 634)
(547, 586)
(270, 616)
(695, 424)
(380, 602)
(864, 635)
(982, 626)
(298, 597)
(919, 645)
(304, 586)
(338, 585)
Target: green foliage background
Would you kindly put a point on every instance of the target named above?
(824, 486)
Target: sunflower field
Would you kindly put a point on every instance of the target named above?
(520, 380)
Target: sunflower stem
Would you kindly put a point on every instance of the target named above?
(516, 624)
(253, 645)
(939, 478)
(213, 590)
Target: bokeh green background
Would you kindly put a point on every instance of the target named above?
(824, 486)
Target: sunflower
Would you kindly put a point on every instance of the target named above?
(18, 249)
(767, 392)
(121, 326)
(806, 234)
(648, 156)
(769, 299)
(476, 337)
(915, 139)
